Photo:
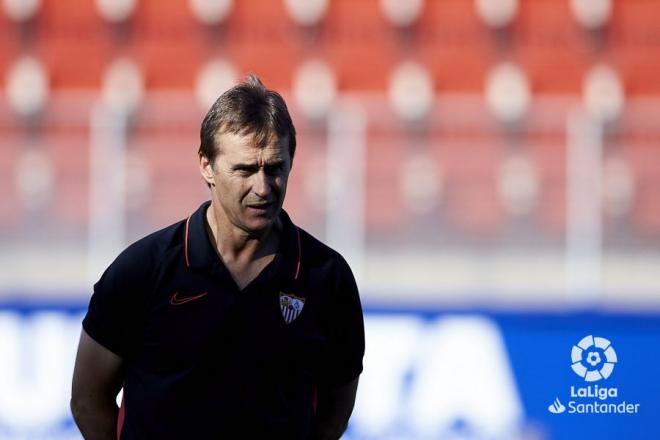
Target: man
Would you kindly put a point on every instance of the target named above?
(233, 323)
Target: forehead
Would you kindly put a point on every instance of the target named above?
(245, 147)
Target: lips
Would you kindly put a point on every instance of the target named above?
(260, 206)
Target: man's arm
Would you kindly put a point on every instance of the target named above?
(334, 408)
(97, 379)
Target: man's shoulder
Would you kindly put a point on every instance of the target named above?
(315, 253)
(163, 239)
(151, 249)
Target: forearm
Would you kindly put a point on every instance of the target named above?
(97, 379)
(96, 421)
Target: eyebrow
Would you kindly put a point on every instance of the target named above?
(273, 164)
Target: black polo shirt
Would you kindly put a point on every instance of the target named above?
(207, 360)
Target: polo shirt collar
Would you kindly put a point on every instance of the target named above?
(197, 248)
(199, 252)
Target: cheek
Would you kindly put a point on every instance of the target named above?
(280, 185)
(242, 188)
(282, 181)
(231, 189)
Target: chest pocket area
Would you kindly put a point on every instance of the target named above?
(178, 333)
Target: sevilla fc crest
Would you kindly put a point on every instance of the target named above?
(291, 306)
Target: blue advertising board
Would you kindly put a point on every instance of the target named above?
(429, 374)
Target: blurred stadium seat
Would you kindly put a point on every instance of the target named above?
(451, 81)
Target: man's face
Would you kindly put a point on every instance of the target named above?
(250, 182)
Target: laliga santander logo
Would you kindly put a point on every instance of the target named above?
(593, 358)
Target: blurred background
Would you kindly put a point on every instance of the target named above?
(489, 168)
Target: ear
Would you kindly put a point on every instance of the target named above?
(206, 169)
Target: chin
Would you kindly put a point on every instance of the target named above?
(257, 225)
(258, 221)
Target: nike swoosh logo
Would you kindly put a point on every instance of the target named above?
(177, 299)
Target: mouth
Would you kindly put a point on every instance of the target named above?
(260, 206)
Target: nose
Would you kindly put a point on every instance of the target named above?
(261, 184)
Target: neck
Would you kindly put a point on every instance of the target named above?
(235, 244)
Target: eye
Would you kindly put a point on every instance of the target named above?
(245, 170)
(275, 169)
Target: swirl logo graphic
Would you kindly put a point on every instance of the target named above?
(593, 358)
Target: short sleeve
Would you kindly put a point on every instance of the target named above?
(113, 316)
(346, 344)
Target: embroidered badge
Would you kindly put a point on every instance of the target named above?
(291, 306)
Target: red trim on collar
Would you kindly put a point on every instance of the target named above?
(299, 254)
(185, 242)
